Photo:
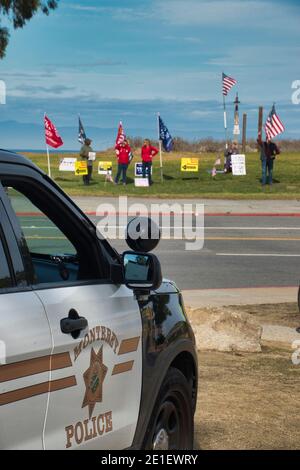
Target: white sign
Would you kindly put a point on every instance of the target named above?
(141, 182)
(92, 156)
(238, 165)
(67, 164)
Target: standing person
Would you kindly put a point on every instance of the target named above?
(148, 152)
(268, 152)
(84, 154)
(123, 152)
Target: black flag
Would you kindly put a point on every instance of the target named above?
(81, 133)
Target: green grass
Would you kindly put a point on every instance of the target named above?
(176, 184)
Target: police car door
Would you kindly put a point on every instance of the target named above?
(25, 346)
(96, 330)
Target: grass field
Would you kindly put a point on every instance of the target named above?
(176, 184)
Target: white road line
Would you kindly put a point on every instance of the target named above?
(185, 227)
(252, 228)
(281, 255)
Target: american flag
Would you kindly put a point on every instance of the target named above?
(228, 83)
(273, 125)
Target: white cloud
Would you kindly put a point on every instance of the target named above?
(119, 13)
(230, 13)
(254, 14)
(259, 56)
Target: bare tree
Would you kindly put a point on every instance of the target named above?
(19, 12)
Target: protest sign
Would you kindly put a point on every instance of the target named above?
(238, 165)
(139, 169)
(190, 164)
(67, 164)
(105, 168)
(81, 168)
(141, 182)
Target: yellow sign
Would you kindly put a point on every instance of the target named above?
(81, 168)
(190, 164)
(105, 168)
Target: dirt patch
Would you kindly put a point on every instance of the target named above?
(284, 314)
(248, 401)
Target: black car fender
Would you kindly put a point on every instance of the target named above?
(168, 341)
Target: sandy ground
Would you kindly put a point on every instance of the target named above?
(251, 401)
(284, 314)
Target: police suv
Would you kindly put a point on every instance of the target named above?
(95, 349)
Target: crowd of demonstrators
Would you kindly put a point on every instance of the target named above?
(268, 152)
(124, 157)
(123, 152)
(147, 154)
(232, 149)
(85, 151)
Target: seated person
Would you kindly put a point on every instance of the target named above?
(231, 150)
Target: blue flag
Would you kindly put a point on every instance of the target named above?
(165, 136)
(81, 133)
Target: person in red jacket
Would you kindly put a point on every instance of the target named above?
(148, 152)
(123, 152)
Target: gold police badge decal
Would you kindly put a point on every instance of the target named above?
(93, 378)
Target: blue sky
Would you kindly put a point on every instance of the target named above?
(112, 60)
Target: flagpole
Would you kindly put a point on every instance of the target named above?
(48, 155)
(48, 158)
(160, 151)
(225, 122)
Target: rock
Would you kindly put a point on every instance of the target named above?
(225, 330)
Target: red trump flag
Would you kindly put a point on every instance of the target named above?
(51, 135)
(121, 134)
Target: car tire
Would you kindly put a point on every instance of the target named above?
(172, 423)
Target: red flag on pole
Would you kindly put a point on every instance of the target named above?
(51, 135)
(121, 135)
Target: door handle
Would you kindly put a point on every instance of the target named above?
(73, 324)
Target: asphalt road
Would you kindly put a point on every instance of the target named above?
(238, 252)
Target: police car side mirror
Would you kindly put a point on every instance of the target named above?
(142, 234)
(142, 271)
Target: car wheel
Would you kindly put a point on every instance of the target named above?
(172, 424)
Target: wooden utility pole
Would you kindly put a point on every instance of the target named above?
(260, 119)
(244, 132)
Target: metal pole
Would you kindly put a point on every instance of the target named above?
(48, 158)
(225, 122)
(160, 151)
(244, 133)
(48, 155)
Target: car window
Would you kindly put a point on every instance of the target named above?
(41, 234)
(5, 277)
(57, 249)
